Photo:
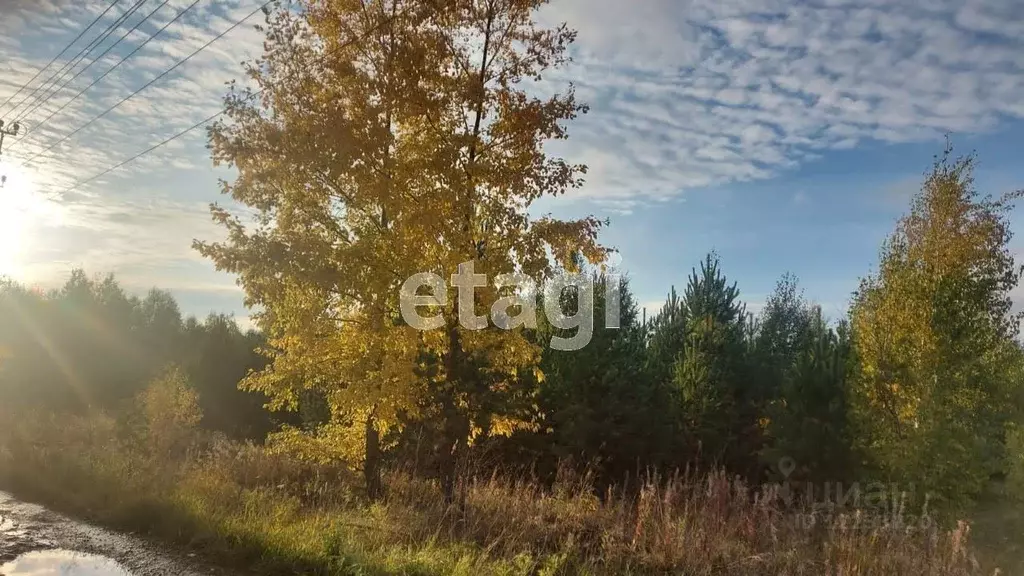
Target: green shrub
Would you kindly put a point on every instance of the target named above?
(172, 415)
(1015, 462)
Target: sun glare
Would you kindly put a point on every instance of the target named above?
(21, 210)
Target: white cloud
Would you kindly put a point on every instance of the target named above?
(684, 94)
(246, 323)
(705, 92)
(138, 221)
(652, 307)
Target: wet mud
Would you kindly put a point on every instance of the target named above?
(35, 541)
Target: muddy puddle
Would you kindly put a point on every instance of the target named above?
(35, 541)
(62, 563)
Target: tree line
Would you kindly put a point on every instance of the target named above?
(388, 138)
(385, 139)
(91, 346)
(918, 385)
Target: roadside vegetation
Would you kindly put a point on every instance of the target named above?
(408, 136)
(248, 506)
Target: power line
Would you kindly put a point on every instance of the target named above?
(148, 84)
(197, 124)
(123, 60)
(69, 65)
(143, 153)
(95, 60)
(66, 48)
(51, 82)
(59, 83)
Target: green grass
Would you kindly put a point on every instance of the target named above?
(998, 522)
(245, 506)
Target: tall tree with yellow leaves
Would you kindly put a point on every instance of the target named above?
(936, 342)
(389, 138)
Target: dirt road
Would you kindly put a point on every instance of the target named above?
(36, 541)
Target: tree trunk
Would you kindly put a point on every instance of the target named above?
(448, 475)
(456, 440)
(371, 468)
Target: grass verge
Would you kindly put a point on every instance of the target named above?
(247, 506)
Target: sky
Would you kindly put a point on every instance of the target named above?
(787, 136)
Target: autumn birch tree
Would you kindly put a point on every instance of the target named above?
(387, 138)
(936, 341)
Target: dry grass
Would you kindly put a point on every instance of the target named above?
(272, 513)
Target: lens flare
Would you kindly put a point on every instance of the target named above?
(22, 209)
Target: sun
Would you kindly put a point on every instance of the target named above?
(21, 211)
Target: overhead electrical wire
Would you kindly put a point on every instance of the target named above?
(143, 153)
(195, 126)
(147, 85)
(94, 61)
(61, 53)
(122, 61)
(68, 66)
